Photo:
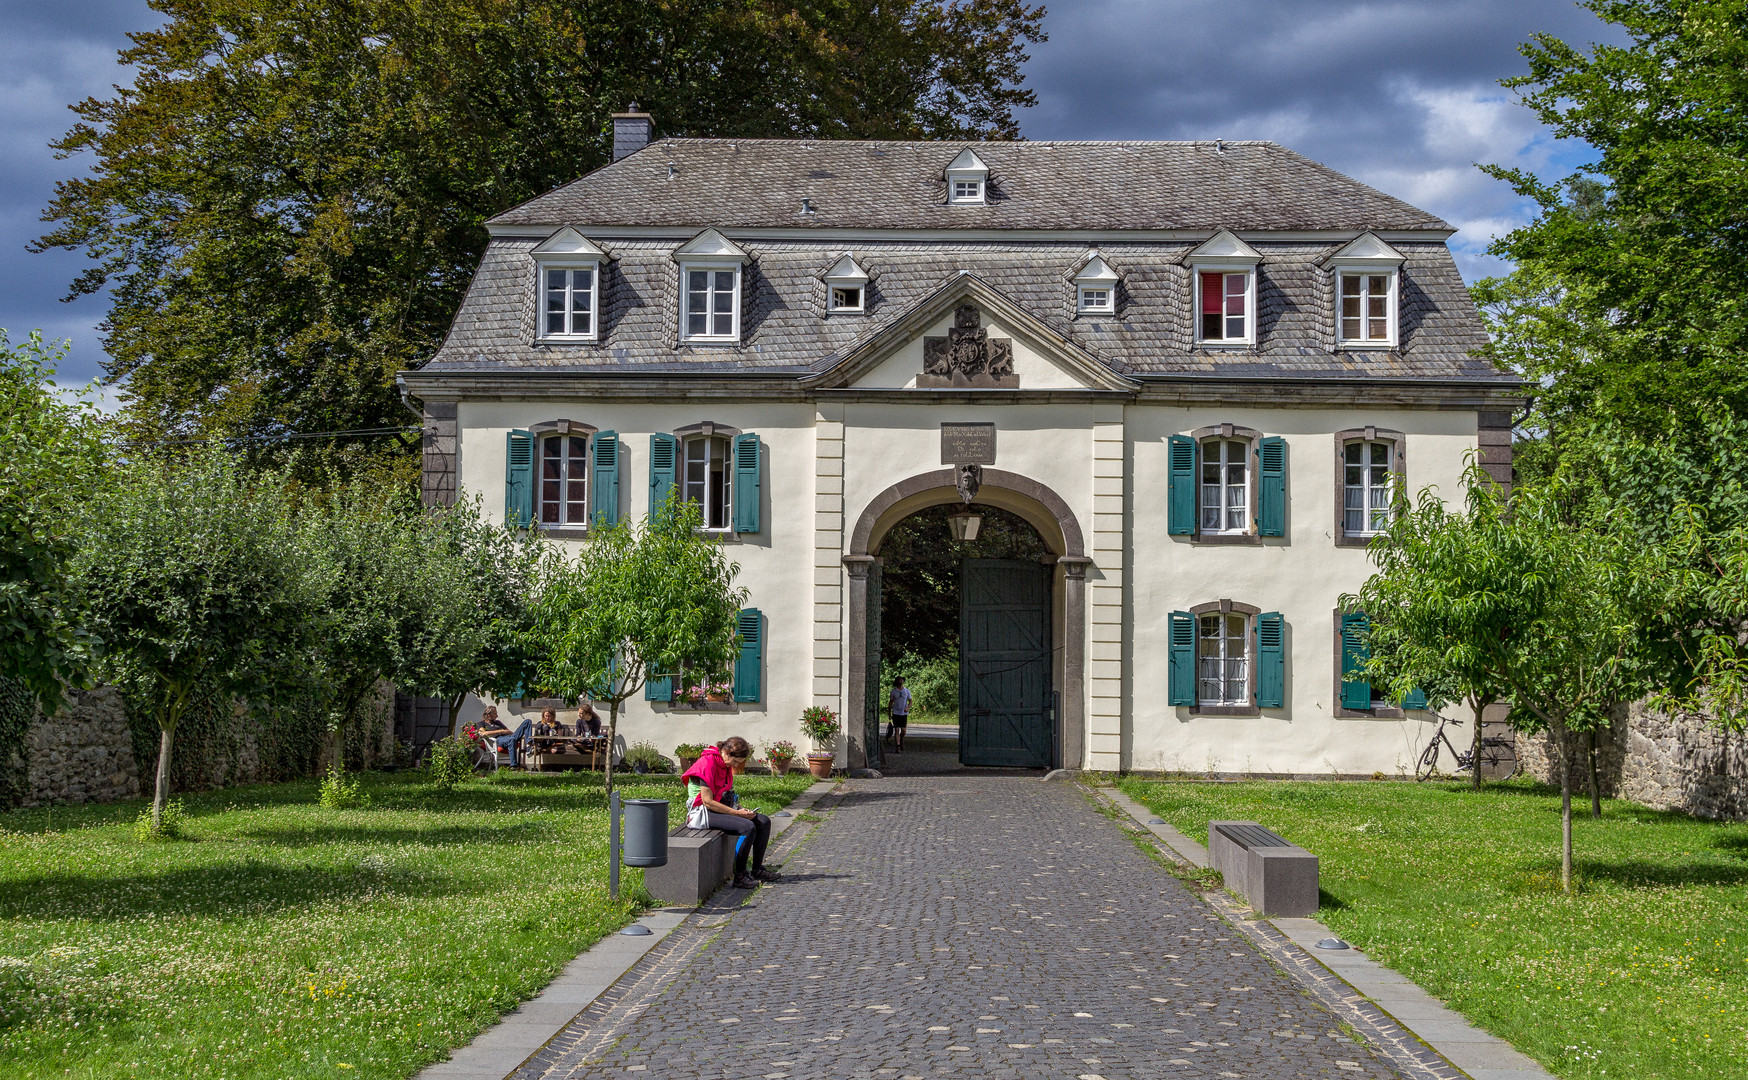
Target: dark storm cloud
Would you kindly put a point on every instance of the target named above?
(1403, 94)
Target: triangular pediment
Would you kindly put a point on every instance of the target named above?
(709, 244)
(569, 242)
(1021, 352)
(967, 162)
(1367, 248)
(1095, 271)
(846, 271)
(1224, 246)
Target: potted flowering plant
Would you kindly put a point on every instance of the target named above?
(688, 753)
(779, 754)
(700, 692)
(821, 725)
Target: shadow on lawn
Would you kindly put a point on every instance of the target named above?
(488, 832)
(1651, 875)
(246, 888)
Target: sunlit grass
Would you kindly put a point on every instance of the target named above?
(284, 940)
(1643, 974)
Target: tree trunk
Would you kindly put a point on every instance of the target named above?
(1558, 730)
(454, 710)
(612, 738)
(1595, 782)
(161, 794)
(1480, 708)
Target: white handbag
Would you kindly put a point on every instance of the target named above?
(698, 817)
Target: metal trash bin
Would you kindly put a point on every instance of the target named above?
(646, 832)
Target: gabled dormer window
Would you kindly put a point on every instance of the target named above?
(967, 180)
(568, 266)
(710, 288)
(846, 287)
(1223, 272)
(1367, 272)
(1095, 287)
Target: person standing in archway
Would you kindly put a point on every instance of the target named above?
(898, 707)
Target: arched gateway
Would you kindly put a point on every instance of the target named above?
(1040, 507)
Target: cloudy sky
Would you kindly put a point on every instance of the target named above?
(1403, 94)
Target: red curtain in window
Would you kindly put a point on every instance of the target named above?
(1213, 288)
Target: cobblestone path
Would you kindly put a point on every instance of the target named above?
(961, 925)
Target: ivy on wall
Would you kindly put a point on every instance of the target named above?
(17, 710)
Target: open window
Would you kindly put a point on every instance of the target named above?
(717, 468)
(1223, 273)
(846, 286)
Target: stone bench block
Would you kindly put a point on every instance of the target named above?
(1276, 877)
(699, 861)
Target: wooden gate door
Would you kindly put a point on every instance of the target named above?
(1004, 664)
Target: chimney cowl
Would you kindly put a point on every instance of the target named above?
(631, 132)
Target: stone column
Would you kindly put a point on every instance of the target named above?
(854, 716)
(1071, 720)
(828, 550)
(1107, 592)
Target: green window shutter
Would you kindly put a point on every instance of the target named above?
(519, 478)
(661, 689)
(1354, 695)
(1271, 660)
(746, 483)
(1271, 518)
(749, 669)
(1182, 668)
(664, 453)
(604, 499)
(1416, 699)
(1181, 494)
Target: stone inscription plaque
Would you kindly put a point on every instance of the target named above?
(968, 444)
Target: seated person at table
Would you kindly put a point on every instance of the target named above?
(710, 781)
(587, 722)
(548, 724)
(490, 728)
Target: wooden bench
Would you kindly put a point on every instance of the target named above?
(699, 861)
(1275, 875)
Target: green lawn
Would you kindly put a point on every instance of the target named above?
(1642, 975)
(283, 940)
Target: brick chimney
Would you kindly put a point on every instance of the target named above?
(631, 132)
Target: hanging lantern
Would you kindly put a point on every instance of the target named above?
(965, 524)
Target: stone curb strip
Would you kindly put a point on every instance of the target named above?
(1363, 991)
(500, 1050)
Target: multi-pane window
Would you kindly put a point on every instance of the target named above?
(846, 298)
(570, 303)
(712, 303)
(967, 191)
(707, 478)
(1223, 659)
(1368, 486)
(1095, 298)
(1365, 308)
(564, 480)
(1225, 308)
(1225, 486)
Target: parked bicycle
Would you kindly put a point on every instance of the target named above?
(1498, 754)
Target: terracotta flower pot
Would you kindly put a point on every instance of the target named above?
(780, 766)
(820, 765)
(687, 763)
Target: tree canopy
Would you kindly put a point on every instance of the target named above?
(287, 203)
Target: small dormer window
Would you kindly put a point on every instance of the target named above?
(967, 180)
(710, 287)
(846, 287)
(569, 274)
(1095, 287)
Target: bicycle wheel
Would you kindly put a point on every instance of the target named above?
(1428, 763)
(1499, 758)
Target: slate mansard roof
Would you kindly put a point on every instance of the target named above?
(1150, 205)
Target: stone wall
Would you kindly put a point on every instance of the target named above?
(1679, 762)
(84, 753)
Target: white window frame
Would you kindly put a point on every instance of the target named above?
(965, 190)
(1225, 270)
(1245, 449)
(1096, 299)
(1245, 639)
(572, 469)
(569, 267)
(860, 306)
(704, 485)
(1373, 477)
(1392, 275)
(967, 180)
(711, 267)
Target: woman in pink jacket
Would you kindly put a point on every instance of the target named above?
(710, 782)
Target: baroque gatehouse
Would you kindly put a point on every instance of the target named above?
(1200, 370)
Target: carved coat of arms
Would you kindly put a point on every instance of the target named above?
(968, 356)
